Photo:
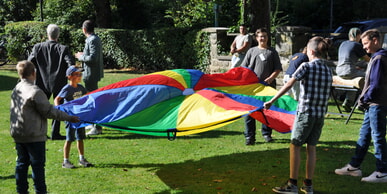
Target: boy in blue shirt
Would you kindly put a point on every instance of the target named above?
(72, 91)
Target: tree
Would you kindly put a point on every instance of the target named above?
(103, 13)
(16, 10)
(260, 14)
(66, 12)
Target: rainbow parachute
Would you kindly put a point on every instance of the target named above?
(182, 102)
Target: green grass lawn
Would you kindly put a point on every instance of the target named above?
(212, 162)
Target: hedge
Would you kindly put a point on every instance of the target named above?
(146, 50)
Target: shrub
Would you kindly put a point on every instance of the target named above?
(147, 50)
(21, 36)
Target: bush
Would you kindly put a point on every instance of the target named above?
(147, 50)
(21, 36)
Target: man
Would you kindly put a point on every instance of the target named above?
(239, 46)
(265, 62)
(373, 100)
(52, 60)
(349, 66)
(92, 63)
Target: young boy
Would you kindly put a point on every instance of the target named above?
(316, 82)
(72, 91)
(30, 110)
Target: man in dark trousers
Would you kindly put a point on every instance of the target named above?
(52, 60)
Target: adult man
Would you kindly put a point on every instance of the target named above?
(92, 62)
(52, 60)
(349, 66)
(265, 62)
(373, 100)
(239, 46)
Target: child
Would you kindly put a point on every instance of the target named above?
(30, 109)
(316, 82)
(72, 91)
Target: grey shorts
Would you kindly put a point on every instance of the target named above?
(306, 129)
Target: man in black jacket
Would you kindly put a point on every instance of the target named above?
(52, 60)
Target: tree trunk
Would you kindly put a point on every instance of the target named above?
(103, 13)
(260, 15)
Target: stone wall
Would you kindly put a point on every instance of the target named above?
(219, 63)
(289, 40)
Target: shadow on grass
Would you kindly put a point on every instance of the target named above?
(7, 83)
(112, 134)
(259, 171)
(7, 177)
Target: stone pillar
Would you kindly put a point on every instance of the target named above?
(219, 63)
(289, 40)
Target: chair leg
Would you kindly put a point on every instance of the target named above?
(334, 96)
(353, 109)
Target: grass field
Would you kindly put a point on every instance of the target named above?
(212, 162)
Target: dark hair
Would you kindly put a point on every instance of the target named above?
(320, 45)
(88, 25)
(260, 30)
(244, 25)
(370, 34)
(25, 68)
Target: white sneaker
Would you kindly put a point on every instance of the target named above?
(348, 170)
(94, 131)
(89, 127)
(376, 177)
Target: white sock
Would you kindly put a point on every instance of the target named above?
(81, 157)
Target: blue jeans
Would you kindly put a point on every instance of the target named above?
(374, 126)
(33, 154)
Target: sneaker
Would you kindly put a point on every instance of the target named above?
(94, 131)
(376, 177)
(67, 164)
(348, 170)
(268, 138)
(250, 141)
(288, 188)
(85, 163)
(89, 127)
(307, 189)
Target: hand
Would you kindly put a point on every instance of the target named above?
(268, 80)
(74, 119)
(267, 105)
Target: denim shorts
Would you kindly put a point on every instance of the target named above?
(306, 129)
(75, 134)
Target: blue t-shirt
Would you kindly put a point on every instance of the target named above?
(295, 61)
(69, 93)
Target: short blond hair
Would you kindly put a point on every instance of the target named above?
(25, 68)
(370, 34)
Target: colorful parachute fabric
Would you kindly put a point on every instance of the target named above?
(182, 102)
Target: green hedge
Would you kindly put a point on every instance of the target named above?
(146, 50)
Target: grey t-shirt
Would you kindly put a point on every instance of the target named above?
(262, 61)
(349, 54)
